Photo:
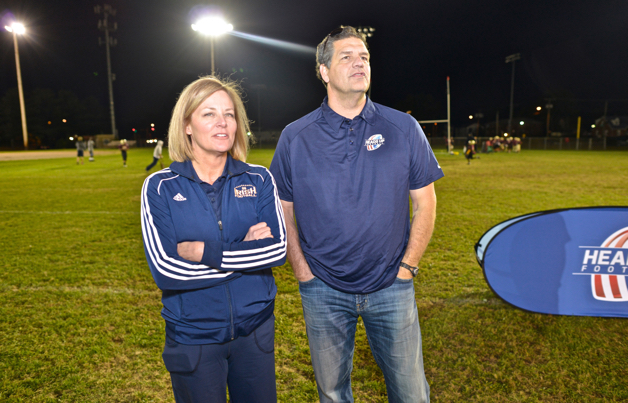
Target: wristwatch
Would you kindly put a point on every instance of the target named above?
(414, 270)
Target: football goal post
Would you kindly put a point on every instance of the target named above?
(448, 120)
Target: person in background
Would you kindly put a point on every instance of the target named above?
(124, 146)
(347, 171)
(469, 147)
(90, 149)
(469, 150)
(497, 144)
(156, 156)
(80, 149)
(213, 229)
(516, 145)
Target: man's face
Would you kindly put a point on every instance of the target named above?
(349, 70)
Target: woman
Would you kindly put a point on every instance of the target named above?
(213, 228)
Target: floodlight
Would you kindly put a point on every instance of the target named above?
(212, 26)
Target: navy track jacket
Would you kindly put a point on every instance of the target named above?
(232, 290)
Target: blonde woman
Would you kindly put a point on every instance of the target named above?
(213, 228)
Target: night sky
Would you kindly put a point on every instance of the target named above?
(570, 50)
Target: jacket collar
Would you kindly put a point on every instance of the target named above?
(232, 168)
(335, 120)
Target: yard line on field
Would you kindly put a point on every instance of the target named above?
(84, 290)
(67, 212)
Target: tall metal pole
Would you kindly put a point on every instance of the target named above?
(110, 81)
(259, 112)
(368, 32)
(448, 118)
(512, 59)
(549, 107)
(512, 97)
(578, 133)
(20, 91)
(211, 41)
(109, 42)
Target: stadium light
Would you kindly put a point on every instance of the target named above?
(212, 27)
(18, 29)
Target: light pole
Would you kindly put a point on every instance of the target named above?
(549, 107)
(512, 59)
(212, 27)
(259, 88)
(17, 28)
(106, 26)
(368, 32)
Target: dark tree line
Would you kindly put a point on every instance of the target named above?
(46, 111)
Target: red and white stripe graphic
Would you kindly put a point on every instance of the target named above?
(609, 287)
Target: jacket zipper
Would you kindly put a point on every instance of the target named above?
(228, 292)
(230, 310)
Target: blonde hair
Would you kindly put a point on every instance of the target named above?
(179, 143)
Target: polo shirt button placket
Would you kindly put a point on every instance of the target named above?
(352, 139)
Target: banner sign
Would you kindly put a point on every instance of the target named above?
(560, 262)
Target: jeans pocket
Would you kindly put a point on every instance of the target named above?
(181, 358)
(265, 336)
(310, 281)
(404, 280)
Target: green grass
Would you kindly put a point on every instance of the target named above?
(80, 314)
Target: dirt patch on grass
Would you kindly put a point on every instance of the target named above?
(43, 155)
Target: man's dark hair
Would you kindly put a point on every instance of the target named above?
(325, 49)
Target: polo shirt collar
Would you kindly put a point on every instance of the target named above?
(334, 120)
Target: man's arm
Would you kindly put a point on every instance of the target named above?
(296, 258)
(423, 216)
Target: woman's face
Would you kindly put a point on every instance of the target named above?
(213, 125)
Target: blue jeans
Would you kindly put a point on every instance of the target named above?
(152, 164)
(391, 320)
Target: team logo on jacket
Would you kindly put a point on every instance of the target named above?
(607, 266)
(374, 142)
(245, 191)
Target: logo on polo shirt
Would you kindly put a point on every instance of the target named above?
(245, 191)
(374, 142)
(608, 267)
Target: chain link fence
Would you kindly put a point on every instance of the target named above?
(543, 143)
(268, 139)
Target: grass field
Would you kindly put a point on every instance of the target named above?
(80, 314)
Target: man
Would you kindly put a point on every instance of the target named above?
(156, 156)
(90, 149)
(346, 171)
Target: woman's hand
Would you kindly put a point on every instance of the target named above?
(191, 250)
(258, 231)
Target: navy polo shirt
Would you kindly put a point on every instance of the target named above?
(349, 180)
